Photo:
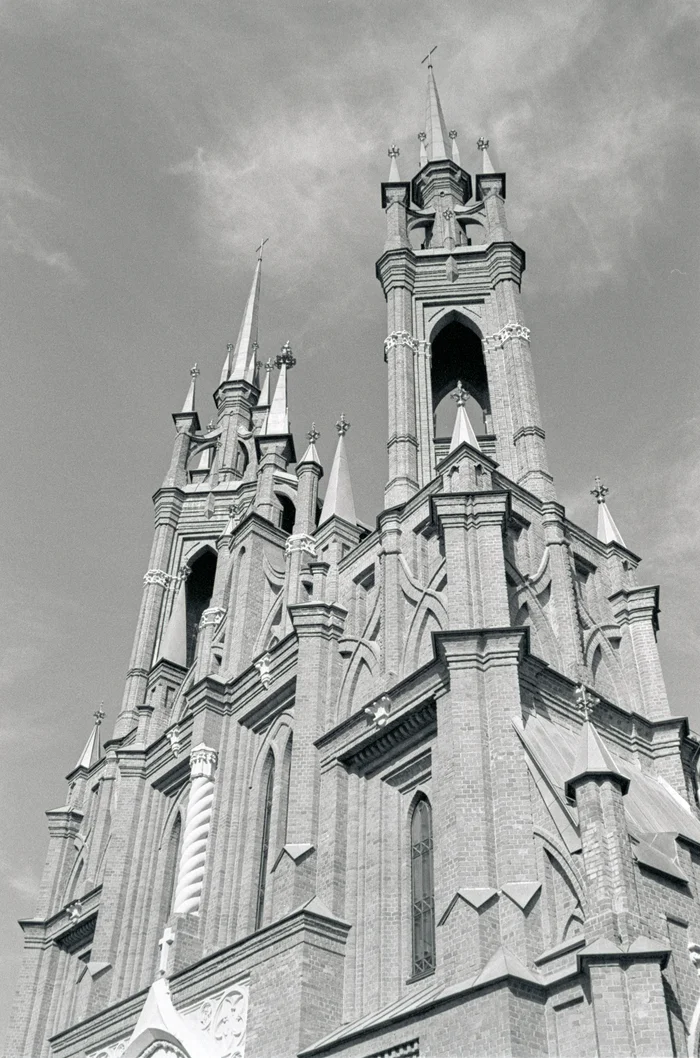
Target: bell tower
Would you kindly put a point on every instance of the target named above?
(451, 275)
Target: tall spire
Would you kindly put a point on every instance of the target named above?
(435, 127)
(486, 164)
(607, 530)
(463, 430)
(93, 748)
(339, 501)
(278, 415)
(242, 357)
(188, 406)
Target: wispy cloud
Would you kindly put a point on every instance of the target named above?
(24, 209)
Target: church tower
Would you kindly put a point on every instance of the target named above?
(414, 790)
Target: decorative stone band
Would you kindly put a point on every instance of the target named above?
(211, 616)
(397, 338)
(511, 330)
(300, 542)
(188, 892)
(158, 576)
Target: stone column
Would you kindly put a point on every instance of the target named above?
(563, 602)
(399, 350)
(272, 458)
(156, 582)
(208, 624)
(636, 611)
(472, 525)
(195, 837)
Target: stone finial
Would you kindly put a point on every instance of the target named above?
(285, 357)
(585, 700)
(194, 370)
(422, 137)
(482, 143)
(459, 395)
(342, 425)
(99, 715)
(313, 434)
(210, 425)
(600, 491)
(393, 151)
(452, 134)
(694, 955)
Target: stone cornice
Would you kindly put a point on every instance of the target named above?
(467, 509)
(481, 647)
(318, 619)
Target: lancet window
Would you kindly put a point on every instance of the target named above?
(268, 793)
(422, 888)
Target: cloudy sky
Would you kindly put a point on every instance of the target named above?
(145, 149)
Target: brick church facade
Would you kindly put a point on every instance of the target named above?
(410, 790)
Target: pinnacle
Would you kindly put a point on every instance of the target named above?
(339, 501)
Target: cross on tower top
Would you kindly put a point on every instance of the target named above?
(600, 491)
(259, 249)
(460, 395)
(427, 57)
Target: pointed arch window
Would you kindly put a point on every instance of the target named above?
(422, 888)
(268, 792)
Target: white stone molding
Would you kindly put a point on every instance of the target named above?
(300, 542)
(378, 712)
(264, 667)
(212, 616)
(397, 338)
(158, 576)
(173, 738)
(188, 892)
(511, 330)
(223, 1019)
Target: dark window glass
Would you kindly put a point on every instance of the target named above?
(265, 843)
(422, 892)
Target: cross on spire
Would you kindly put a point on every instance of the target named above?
(342, 425)
(99, 715)
(194, 370)
(269, 364)
(313, 434)
(585, 700)
(600, 491)
(427, 57)
(459, 395)
(259, 249)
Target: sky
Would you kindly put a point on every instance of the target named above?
(146, 148)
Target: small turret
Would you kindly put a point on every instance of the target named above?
(607, 531)
(93, 747)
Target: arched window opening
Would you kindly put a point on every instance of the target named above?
(288, 513)
(457, 356)
(471, 233)
(268, 791)
(420, 234)
(422, 888)
(172, 860)
(241, 459)
(198, 592)
(285, 792)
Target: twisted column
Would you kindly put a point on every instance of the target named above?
(190, 876)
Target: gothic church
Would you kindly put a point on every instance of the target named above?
(409, 791)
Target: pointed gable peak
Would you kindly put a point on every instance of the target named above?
(607, 531)
(188, 406)
(486, 163)
(593, 758)
(311, 454)
(339, 501)
(463, 429)
(242, 356)
(278, 415)
(93, 747)
(435, 127)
